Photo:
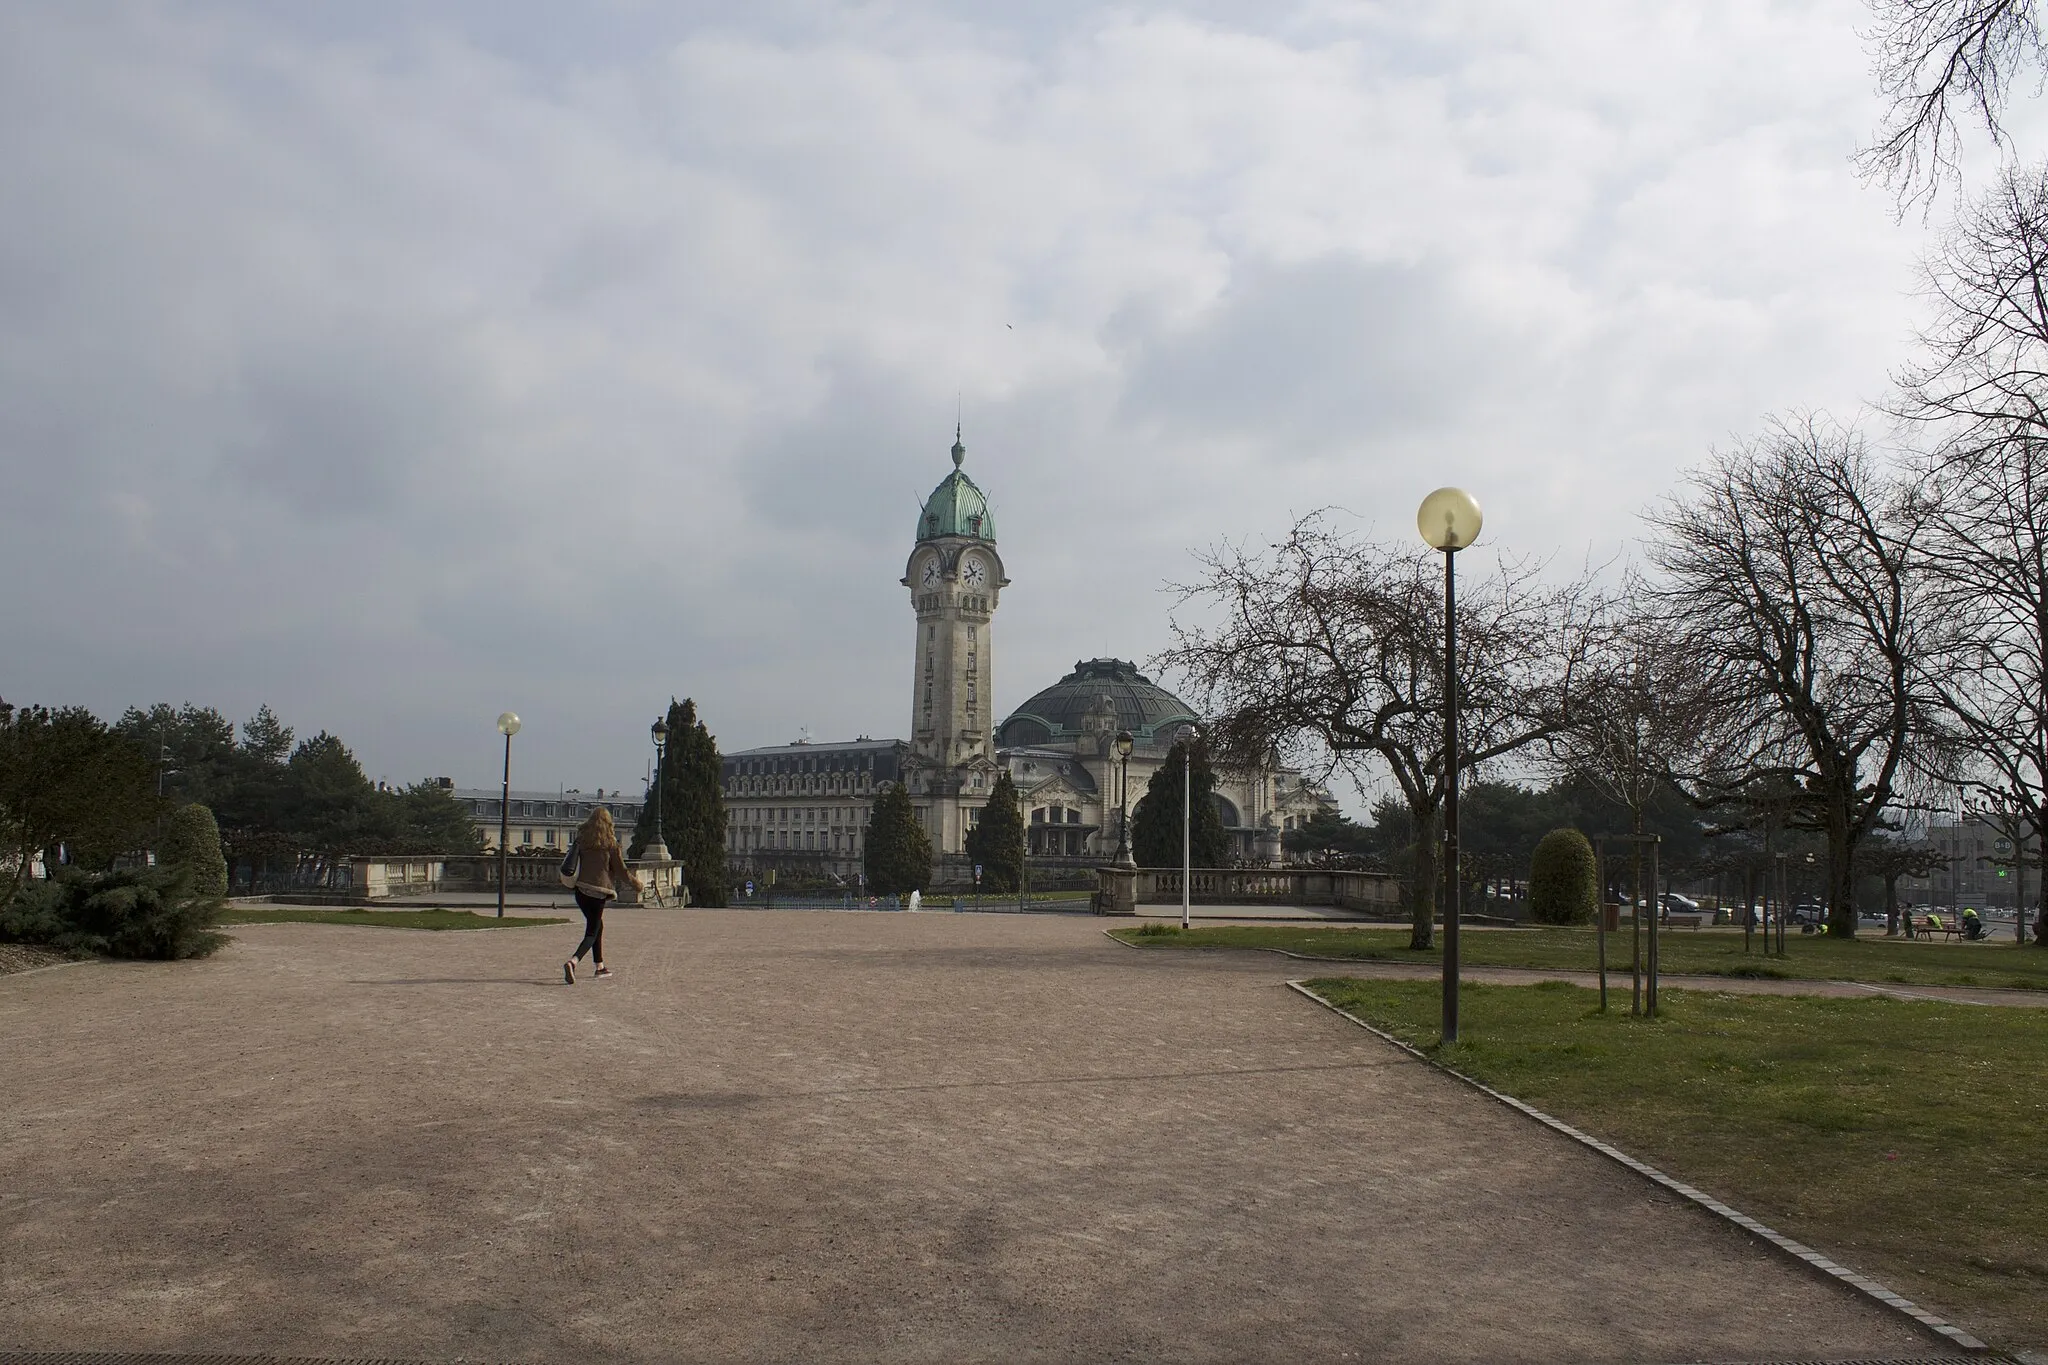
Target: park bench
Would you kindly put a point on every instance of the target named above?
(1926, 928)
(1684, 920)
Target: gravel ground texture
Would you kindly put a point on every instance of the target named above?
(817, 1135)
(23, 957)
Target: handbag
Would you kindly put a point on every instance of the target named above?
(572, 862)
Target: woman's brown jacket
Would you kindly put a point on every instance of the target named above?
(598, 872)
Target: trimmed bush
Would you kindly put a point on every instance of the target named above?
(1563, 882)
(132, 913)
(192, 845)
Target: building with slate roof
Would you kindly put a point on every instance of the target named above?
(805, 806)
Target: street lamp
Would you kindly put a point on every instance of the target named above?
(658, 850)
(508, 726)
(1449, 520)
(1123, 803)
(1185, 737)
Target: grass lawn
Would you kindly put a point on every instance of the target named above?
(385, 919)
(1705, 952)
(1907, 1139)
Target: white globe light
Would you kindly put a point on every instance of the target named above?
(1448, 519)
(508, 724)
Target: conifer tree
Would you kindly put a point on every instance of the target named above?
(898, 856)
(692, 805)
(1156, 823)
(997, 843)
(192, 845)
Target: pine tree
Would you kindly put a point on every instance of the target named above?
(899, 853)
(1156, 823)
(997, 843)
(192, 845)
(692, 805)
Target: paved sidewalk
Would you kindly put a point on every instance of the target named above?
(784, 1135)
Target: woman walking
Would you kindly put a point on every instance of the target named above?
(599, 868)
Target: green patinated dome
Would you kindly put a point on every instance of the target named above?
(956, 507)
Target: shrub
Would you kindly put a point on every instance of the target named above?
(192, 845)
(1563, 882)
(134, 913)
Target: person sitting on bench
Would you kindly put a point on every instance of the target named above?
(1973, 924)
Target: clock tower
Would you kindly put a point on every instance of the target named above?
(955, 579)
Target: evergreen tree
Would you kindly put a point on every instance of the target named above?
(1156, 823)
(266, 738)
(997, 843)
(192, 846)
(899, 853)
(692, 805)
(1564, 884)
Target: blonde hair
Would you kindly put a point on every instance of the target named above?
(597, 833)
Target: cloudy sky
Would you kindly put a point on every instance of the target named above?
(395, 364)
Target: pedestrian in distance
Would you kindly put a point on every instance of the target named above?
(600, 868)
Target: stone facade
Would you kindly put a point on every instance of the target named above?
(806, 806)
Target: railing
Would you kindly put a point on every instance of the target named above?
(1369, 891)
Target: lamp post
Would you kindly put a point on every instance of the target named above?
(1185, 737)
(508, 726)
(658, 850)
(1449, 520)
(1124, 741)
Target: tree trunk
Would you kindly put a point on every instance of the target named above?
(1891, 905)
(1422, 883)
(1841, 876)
(2041, 892)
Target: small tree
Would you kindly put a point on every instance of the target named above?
(1563, 882)
(1155, 824)
(1890, 858)
(192, 846)
(692, 805)
(898, 858)
(997, 844)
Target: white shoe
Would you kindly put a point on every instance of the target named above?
(569, 970)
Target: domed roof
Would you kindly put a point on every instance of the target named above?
(1141, 705)
(956, 507)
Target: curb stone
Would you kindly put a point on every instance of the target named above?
(1798, 1251)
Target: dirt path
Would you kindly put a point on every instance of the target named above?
(828, 1136)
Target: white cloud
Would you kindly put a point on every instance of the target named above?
(397, 368)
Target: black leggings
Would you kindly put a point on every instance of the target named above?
(593, 926)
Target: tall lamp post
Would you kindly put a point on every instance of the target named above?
(658, 850)
(1185, 737)
(1124, 741)
(1449, 521)
(508, 726)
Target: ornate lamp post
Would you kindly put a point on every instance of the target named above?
(508, 726)
(1185, 737)
(1123, 745)
(1449, 521)
(658, 850)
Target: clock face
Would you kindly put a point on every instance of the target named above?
(974, 573)
(931, 572)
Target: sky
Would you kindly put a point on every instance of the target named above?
(394, 365)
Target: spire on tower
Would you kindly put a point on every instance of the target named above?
(959, 450)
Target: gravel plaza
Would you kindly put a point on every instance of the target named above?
(781, 1135)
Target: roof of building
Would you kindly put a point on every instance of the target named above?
(956, 507)
(1055, 714)
(804, 748)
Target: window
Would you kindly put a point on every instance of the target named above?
(549, 836)
(529, 837)
(1038, 816)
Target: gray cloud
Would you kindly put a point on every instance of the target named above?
(350, 352)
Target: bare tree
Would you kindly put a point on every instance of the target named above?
(1982, 394)
(1889, 858)
(1983, 377)
(1330, 647)
(1941, 63)
(1639, 720)
(1790, 579)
